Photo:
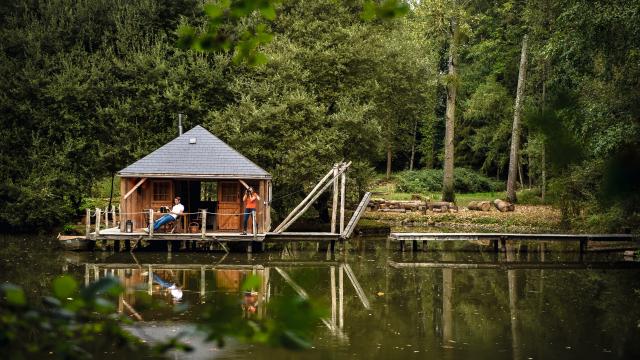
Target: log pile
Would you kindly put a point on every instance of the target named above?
(442, 206)
(503, 206)
(479, 205)
(402, 206)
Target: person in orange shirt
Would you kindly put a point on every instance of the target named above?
(250, 200)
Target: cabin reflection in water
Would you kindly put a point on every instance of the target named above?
(196, 284)
(173, 284)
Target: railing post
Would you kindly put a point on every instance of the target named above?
(98, 215)
(113, 215)
(106, 217)
(254, 225)
(203, 226)
(87, 230)
(150, 223)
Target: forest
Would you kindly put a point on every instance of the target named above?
(89, 86)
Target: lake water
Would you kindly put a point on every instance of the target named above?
(439, 304)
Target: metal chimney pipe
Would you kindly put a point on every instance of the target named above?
(179, 124)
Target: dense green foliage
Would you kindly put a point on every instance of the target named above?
(92, 85)
(80, 323)
(430, 180)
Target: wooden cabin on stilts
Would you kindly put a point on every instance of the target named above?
(210, 177)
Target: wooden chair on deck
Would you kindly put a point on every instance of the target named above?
(175, 226)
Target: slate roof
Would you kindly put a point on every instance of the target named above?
(209, 157)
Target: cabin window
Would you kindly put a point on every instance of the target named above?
(161, 191)
(229, 192)
(208, 191)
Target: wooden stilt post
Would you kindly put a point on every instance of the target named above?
(203, 226)
(425, 245)
(202, 283)
(341, 296)
(333, 297)
(98, 215)
(169, 246)
(334, 204)
(343, 178)
(150, 281)
(87, 273)
(151, 223)
(87, 226)
(503, 244)
(494, 243)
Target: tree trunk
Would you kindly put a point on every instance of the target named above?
(515, 132)
(388, 161)
(413, 145)
(544, 172)
(448, 193)
(543, 161)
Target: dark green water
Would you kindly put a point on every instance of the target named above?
(543, 305)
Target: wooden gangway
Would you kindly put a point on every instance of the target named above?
(502, 238)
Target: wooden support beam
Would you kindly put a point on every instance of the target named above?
(254, 225)
(203, 226)
(246, 186)
(303, 202)
(98, 215)
(310, 202)
(334, 203)
(126, 196)
(87, 229)
(151, 223)
(343, 178)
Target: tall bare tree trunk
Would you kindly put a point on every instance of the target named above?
(413, 145)
(543, 161)
(388, 161)
(448, 193)
(515, 132)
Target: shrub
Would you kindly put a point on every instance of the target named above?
(429, 180)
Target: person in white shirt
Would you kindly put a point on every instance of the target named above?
(176, 210)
